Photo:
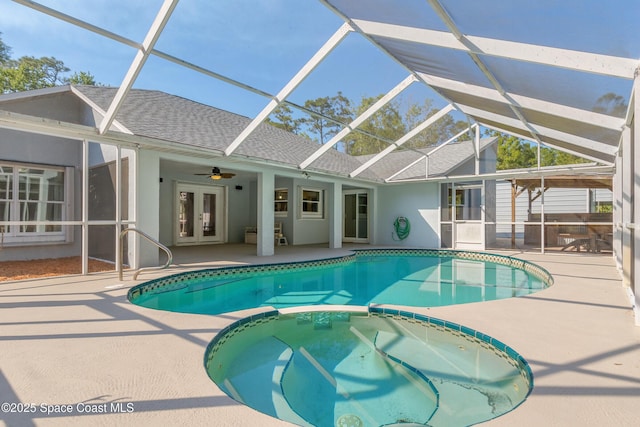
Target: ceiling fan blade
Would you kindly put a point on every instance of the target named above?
(216, 174)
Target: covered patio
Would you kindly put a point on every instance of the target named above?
(564, 229)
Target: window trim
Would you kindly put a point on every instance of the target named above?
(319, 214)
(14, 236)
(285, 202)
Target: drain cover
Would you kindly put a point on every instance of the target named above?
(349, 420)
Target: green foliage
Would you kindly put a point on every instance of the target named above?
(28, 72)
(5, 52)
(611, 104)
(81, 78)
(283, 119)
(337, 108)
(440, 131)
(514, 153)
(604, 208)
(386, 123)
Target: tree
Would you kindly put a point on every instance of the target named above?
(386, 123)
(81, 78)
(558, 157)
(28, 72)
(611, 104)
(514, 153)
(282, 117)
(440, 131)
(5, 52)
(337, 108)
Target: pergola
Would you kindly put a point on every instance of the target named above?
(536, 187)
(565, 77)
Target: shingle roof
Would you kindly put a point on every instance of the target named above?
(442, 162)
(158, 115)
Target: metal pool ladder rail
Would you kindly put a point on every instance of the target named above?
(150, 239)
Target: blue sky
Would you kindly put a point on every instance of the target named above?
(260, 43)
(263, 43)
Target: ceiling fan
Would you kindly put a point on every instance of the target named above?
(216, 174)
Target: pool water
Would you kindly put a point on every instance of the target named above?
(366, 369)
(417, 281)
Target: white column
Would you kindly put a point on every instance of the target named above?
(542, 242)
(85, 207)
(266, 189)
(147, 207)
(118, 226)
(635, 232)
(335, 217)
(476, 144)
(373, 207)
(618, 201)
(627, 209)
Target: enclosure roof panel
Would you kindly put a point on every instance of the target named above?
(574, 59)
(556, 73)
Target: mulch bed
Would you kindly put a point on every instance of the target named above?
(33, 269)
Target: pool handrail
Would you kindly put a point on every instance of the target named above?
(150, 239)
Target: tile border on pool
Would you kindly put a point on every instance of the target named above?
(488, 342)
(175, 281)
(499, 348)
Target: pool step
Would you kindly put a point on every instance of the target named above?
(457, 379)
(375, 396)
(264, 371)
(322, 319)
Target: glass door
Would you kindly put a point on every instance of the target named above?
(199, 214)
(356, 216)
(462, 216)
(211, 225)
(186, 217)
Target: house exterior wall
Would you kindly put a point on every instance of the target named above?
(152, 203)
(56, 106)
(148, 206)
(556, 200)
(419, 203)
(288, 220)
(240, 208)
(309, 231)
(40, 149)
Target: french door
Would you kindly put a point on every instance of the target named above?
(200, 214)
(356, 216)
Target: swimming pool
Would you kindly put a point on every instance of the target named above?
(416, 278)
(371, 367)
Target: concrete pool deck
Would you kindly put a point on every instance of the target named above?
(75, 346)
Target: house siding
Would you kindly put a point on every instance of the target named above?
(419, 203)
(556, 200)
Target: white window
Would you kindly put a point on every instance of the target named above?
(36, 195)
(281, 202)
(311, 203)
